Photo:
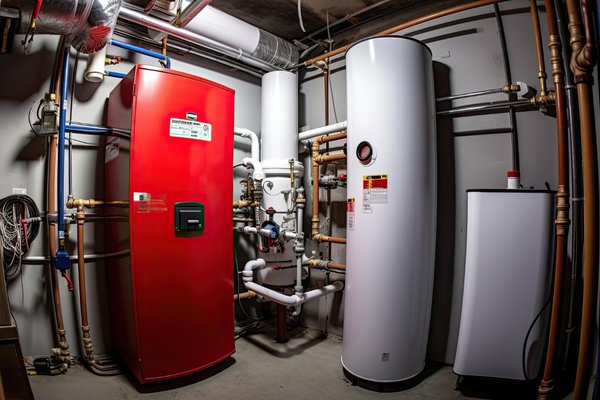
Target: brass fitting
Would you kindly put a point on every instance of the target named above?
(244, 203)
(544, 100)
(562, 211)
(512, 88)
(556, 59)
(87, 203)
(325, 158)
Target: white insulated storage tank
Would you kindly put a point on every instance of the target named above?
(391, 208)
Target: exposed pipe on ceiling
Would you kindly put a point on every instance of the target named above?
(233, 32)
(194, 38)
(408, 24)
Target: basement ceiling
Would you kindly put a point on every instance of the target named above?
(280, 17)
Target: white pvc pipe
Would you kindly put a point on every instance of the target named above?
(247, 133)
(324, 130)
(94, 71)
(295, 299)
(299, 258)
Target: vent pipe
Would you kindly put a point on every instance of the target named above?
(233, 32)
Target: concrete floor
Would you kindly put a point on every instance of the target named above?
(307, 367)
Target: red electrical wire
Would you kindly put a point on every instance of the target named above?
(36, 10)
(69, 281)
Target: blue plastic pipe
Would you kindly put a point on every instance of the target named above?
(64, 87)
(143, 51)
(115, 74)
(62, 260)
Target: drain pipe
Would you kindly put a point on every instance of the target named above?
(247, 133)
(252, 161)
(278, 297)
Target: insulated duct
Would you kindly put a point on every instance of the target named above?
(237, 34)
(86, 24)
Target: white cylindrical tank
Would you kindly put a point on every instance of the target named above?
(279, 116)
(391, 224)
(279, 144)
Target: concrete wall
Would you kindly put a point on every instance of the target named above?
(25, 78)
(467, 56)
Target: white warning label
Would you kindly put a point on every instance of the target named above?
(350, 214)
(184, 128)
(375, 191)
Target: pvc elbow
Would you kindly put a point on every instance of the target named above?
(258, 173)
(255, 144)
(253, 264)
(94, 72)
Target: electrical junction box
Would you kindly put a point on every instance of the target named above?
(171, 308)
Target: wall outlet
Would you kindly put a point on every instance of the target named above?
(19, 191)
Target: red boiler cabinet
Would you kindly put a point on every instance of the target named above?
(171, 295)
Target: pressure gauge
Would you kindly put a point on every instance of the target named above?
(364, 152)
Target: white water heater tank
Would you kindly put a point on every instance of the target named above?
(391, 208)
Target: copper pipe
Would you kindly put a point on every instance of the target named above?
(91, 203)
(537, 34)
(408, 24)
(330, 138)
(244, 203)
(63, 345)
(63, 350)
(562, 221)
(332, 239)
(315, 176)
(326, 78)
(246, 295)
(164, 45)
(315, 217)
(325, 158)
(325, 264)
(85, 328)
(582, 61)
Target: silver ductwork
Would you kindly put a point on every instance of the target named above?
(216, 26)
(86, 24)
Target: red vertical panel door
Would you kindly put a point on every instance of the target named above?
(182, 282)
